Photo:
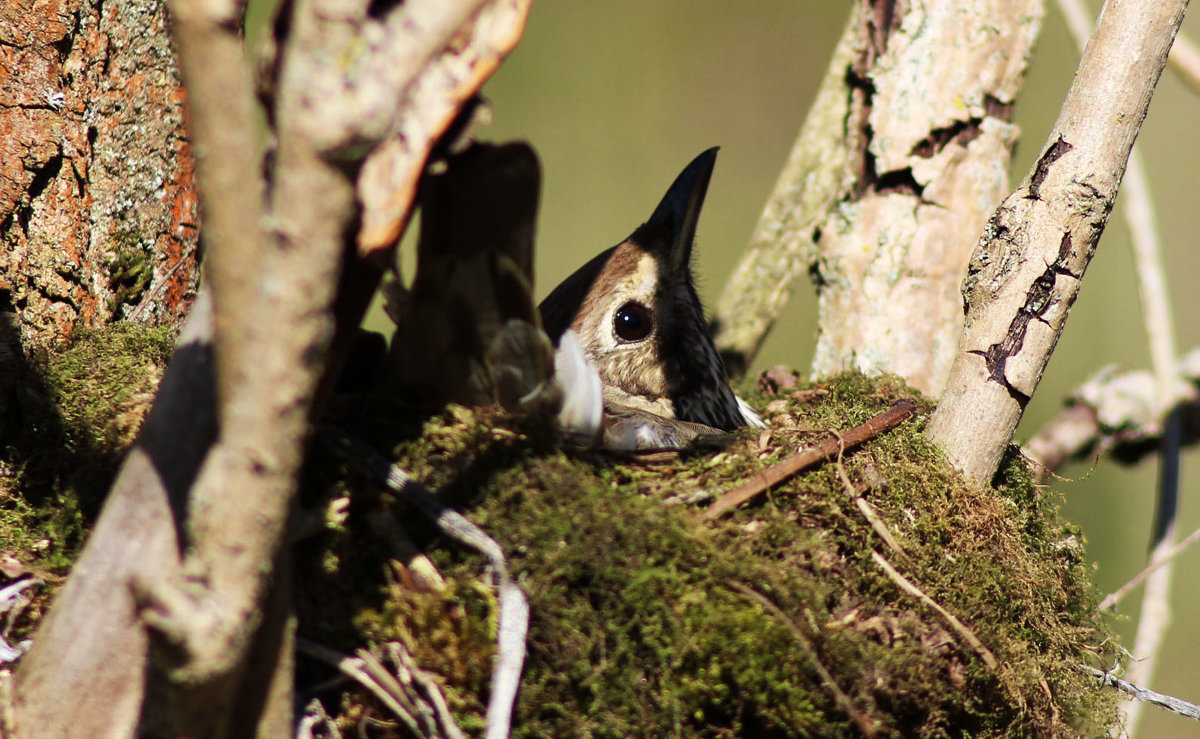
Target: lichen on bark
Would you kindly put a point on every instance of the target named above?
(95, 168)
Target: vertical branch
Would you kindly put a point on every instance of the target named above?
(221, 120)
(1138, 209)
(1026, 270)
(169, 600)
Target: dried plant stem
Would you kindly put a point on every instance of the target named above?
(1115, 597)
(1185, 60)
(356, 669)
(980, 648)
(866, 509)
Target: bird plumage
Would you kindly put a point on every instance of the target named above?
(639, 320)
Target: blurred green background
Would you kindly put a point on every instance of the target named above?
(618, 96)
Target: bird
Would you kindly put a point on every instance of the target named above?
(634, 312)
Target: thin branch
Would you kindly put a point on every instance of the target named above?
(1185, 60)
(1138, 693)
(1115, 413)
(221, 123)
(900, 412)
(1111, 600)
(980, 648)
(1026, 270)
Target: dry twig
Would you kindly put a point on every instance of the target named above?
(1115, 413)
(901, 411)
(1138, 693)
(387, 691)
(1111, 600)
(980, 648)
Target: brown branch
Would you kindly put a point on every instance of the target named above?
(901, 411)
(1026, 270)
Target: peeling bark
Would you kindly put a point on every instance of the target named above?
(924, 99)
(1026, 269)
(98, 212)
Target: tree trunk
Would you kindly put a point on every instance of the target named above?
(98, 209)
(888, 186)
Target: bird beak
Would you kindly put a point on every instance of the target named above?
(680, 208)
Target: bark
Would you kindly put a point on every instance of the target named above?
(1026, 269)
(912, 143)
(1116, 413)
(98, 212)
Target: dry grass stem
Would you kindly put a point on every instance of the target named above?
(356, 669)
(1114, 597)
(980, 648)
(864, 506)
(1185, 60)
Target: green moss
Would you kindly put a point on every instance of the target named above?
(131, 271)
(101, 386)
(649, 621)
(80, 407)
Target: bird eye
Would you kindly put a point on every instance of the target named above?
(632, 322)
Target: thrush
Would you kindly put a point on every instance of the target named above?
(638, 320)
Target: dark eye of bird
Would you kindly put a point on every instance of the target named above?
(632, 322)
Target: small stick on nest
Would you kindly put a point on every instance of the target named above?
(900, 412)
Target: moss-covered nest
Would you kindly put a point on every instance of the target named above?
(72, 412)
(775, 621)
